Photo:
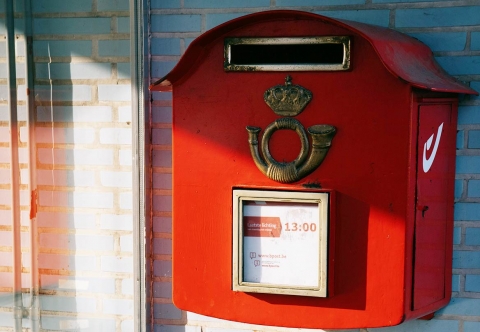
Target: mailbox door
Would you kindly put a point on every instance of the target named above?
(370, 166)
(211, 157)
(384, 271)
(434, 204)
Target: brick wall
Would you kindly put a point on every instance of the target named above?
(450, 28)
(84, 165)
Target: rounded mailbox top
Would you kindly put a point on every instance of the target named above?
(404, 57)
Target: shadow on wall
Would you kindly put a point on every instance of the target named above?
(83, 174)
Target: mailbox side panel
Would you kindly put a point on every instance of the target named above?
(433, 227)
(367, 166)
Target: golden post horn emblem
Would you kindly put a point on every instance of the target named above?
(290, 100)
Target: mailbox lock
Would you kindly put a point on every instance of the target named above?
(422, 208)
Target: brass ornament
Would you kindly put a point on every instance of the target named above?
(321, 136)
(288, 99)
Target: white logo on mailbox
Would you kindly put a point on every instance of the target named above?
(427, 163)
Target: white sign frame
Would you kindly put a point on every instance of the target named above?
(321, 199)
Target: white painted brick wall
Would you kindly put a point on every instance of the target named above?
(75, 157)
(116, 222)
(72, 263)
(116, 179)
(5, 155)
(59, 93)
(61, 135)
(127, 286)
(75, 114)
(66, 220)
(116, 136)
(84, 156)
(124, 114)
(94, 200)
(67, 178)
(114, 92)
(5, 197)
(116, 264)
(117, 306)
(77, 242)
(125, 157)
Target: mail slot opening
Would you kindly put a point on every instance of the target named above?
(287, 54)
(282, 54)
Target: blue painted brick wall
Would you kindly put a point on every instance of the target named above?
(114, 47)
(472, 236)
(61, 6)
(450, 28)
(212, 20)
(71, 25)
(449, 16)
(443, 41)
(226, 3)
(62, 48)
(160, 4)
(469, 114)
(465, 65)
(474, 139)
(109, 5)
(301, 3)
(165, 46)
(475, 43)
(176, 23)
(471, 326)
(377, 17)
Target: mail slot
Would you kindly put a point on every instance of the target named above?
(313, 173)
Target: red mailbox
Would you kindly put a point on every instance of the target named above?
(313, 173)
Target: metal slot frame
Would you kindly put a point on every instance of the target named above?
(229, 42)
(320, 198)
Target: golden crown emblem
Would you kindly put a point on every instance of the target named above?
(288, 99)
